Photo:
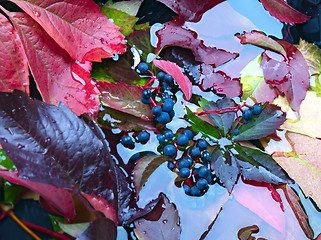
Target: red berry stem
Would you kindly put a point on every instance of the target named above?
(153, 102)
(150, 81)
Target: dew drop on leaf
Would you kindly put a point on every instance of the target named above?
(36, 12)
(247, 87)
(19, 146)
(220, 89)
(165, 221)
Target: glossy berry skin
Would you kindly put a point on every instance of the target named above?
(202, 184)
(168, 79)
(187, 189)
(189, 134)
(146, 93)
(182, 140)
(195, 191)
(126, 140)
(194, 152)
(209, 179)
(157, 110)
(160, 76)
(247, 114)
(171, 114)
(142, 67)
(163, 118)
(143, 137)
(168, 134)
(170, 166)
(236, 132)
(203, 172)
(165, 96)
(184, 173)
(189, 160)
(168, 105)
(256, 109)
(160, 138)
(206, 156)
(202, 144)
(145, 100)
(170, 150)
(184, 163)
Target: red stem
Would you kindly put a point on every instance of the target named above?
(153, 102)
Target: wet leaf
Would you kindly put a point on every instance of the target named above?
(284, 12)
(303, 163)
(161, 223)
(181, 79)
(125, 98)
(144, 168)
(14, 73)
(102, 229)
(140, 40)
(81, 25)
(269, 120)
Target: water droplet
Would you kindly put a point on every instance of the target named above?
(165, 221)
(19, 146)
(98, 27)
(310, 193)
(220, 89)
(9, 130)
(247, 87)
(144, 232)
(36, 12)
(47, 141)
(214, 84)
(13, 111)
(5, 140)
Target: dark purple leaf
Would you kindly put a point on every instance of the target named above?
(140, 39)
(222, 121)
(102, 229)
(269, 120)
(162, 223)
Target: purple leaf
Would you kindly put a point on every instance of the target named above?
(102, 229)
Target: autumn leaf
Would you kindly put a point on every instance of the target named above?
(312, 55)
(14, 73)
(98, 229)
(79, 24)
(303, 163)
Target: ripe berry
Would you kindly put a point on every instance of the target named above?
(194, 152)
(156, 110)
(209, 179)
(168, 105)
(256, 109)
(168, 134)
(201, 144)
(160, 76)
(189, 134)
(143, 137)
(247, 114)
(182, 140)
(145, 100)
(170, 150)
(160, 138)
(170, 166)
(184, 163)
(202, 184)
(236, 132)
(206, 156)
(171, 114)
(195, 191)
(165, 96)
(184, 172)
(163, 118)
(203, 172)
(126, 140)
(146, 93)
(187, 189)
(142, 67)
(168, 79)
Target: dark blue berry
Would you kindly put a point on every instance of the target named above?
(168, 105)
(184, 163)
(143, 137)
(142, 67)
(168, 134)
(157, 110)
(170, 165)
(160, 76)
(194, 152)
(171, 114)
(168, 79)
(256, 109)
(209, 178)
(187, 189)
(170, 150)
(202, 184)
(189, 160)
(146, 93)
(160, 138)
(189, 134)
(247, 114)
(145, 100)
(202, 144)
(163, 118)
(206, 156)
(236, 132)
(184, 172)
(165, 96)
(126, 140)
(195, 191)
(182, 140)
(203, 172)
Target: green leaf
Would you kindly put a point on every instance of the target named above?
(5, 161)
(144, 168)
(312, 55)
(269, 120)
(130, 7)
(12, 192)
(207, 130)
(316, 85)
(73, 229)
(141, 40)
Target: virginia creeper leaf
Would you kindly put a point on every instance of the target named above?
(60, 198)
(130, 7)
(125, 98)
(222, 121)
(73, 229)
(14, 73)
(312, 55)
(161, 223)
(6, 162)
(51, 67)
(102, 229)
(144, 168)
(284, 12)
(78, 24)
(289, 77)
(269, 120)
(181, 79)
(303, 164)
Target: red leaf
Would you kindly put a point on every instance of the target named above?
(190, 10)
(77, 26)
(181, 79)
(285, 13)
(14, 73)
(289, 77)
(174, 34)
(51, 68)
(60, 198)
(125, 98)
